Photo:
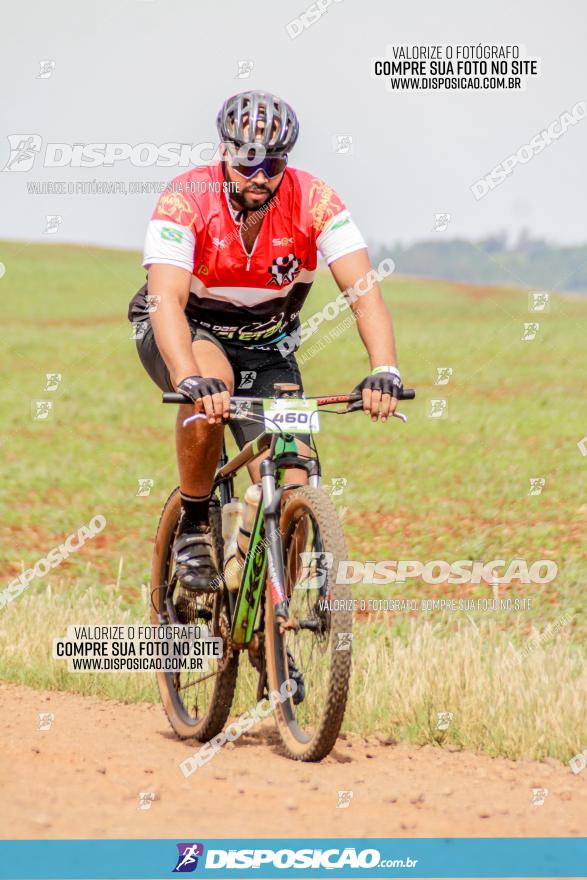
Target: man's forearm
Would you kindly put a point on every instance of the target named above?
(352, 272)
(376, 329)
(174, 340)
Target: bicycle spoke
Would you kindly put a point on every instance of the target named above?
(190, 684)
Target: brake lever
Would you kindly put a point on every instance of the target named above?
(357, 405)
(193, 418)
(236, 413)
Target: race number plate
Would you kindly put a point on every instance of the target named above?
(291, 416)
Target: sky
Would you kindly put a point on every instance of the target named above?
(149, 71)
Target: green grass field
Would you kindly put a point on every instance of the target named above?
(446, 489)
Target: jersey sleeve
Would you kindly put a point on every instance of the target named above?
(170, 235)
(335, 231)
(340, 236)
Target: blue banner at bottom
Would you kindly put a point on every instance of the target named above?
(310, 857)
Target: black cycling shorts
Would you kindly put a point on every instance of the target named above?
(255, 372)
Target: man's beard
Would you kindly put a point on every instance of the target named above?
(242, 200)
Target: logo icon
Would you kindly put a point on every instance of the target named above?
(139, 328)
(437, 408)
(337, 486)
(53, 381)
(23, 151)
(538, 301)
(152, 301)
(344, 641)
(536, 485)
(343, 144)
(188, 855)
(145, 487)
(46, 719)
(146, 798)
(344, 800)
(52, 223)
(441, 222)
(243, 409)
(46, 69)
(247, 378)
(444, 719)
(530, 331)
(443, 375)
(578, 762)
(315, 567)
(245, 67)
(41, 409)
(283, 270)
(539, 795)
(176, 207)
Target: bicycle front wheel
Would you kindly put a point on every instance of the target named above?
(314, 653)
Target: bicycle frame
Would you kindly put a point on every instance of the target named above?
(264, 549)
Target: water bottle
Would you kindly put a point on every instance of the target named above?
(232, 517)
(251, 499)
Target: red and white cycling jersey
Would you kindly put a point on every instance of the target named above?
(251, 300)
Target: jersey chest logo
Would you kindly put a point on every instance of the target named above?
(283, 270)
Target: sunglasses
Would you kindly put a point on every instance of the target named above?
(271, 166)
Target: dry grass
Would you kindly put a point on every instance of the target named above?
(505, 699)
(30, 623)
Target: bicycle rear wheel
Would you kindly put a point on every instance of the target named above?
(196, 704)
(316, 652)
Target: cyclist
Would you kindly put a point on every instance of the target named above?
(231, 254)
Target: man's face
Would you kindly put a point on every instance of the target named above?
(253, 192)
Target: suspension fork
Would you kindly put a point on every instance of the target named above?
(272, 499)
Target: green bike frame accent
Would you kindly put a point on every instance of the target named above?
(253, 579)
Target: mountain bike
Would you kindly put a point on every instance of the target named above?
(289, 613)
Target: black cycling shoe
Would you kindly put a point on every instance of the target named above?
(296, 675)
(194, 561)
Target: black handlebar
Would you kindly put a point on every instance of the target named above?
(175, 397)
(407, 394)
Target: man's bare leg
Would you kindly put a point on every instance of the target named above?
(198, 445)
(292, 475)
(198, 448)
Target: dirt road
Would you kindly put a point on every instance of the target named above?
(83, 777)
